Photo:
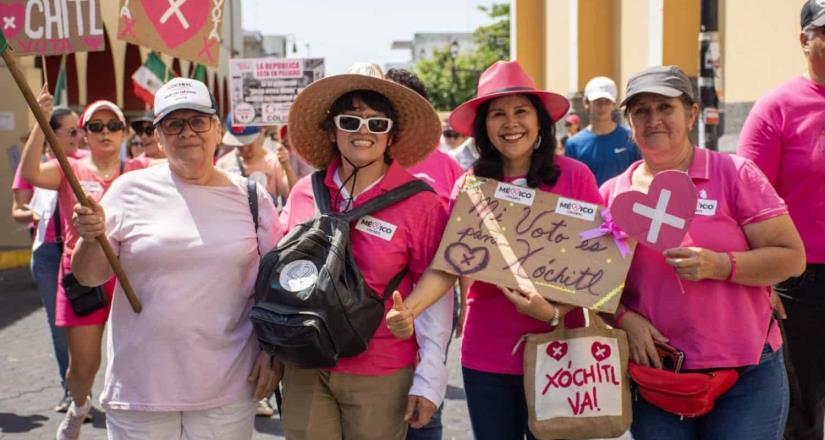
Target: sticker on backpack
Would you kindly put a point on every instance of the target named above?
(298, 276)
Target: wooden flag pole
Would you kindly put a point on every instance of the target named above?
(17, 74)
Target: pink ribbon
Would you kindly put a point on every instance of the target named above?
(608, 228)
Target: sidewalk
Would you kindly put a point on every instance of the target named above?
(29, 385)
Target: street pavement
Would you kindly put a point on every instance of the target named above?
(29, 384)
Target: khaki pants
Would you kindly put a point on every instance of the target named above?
(319, 404)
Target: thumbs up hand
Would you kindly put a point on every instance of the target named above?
(400, 318)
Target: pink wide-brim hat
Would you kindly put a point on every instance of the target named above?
(502, 79)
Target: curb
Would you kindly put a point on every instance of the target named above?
(13, 259)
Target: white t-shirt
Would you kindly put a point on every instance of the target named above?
(191, 253)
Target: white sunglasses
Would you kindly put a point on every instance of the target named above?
(352, 124)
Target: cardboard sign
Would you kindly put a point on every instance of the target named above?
(661, 218)
(188, 29)
(512, 236)
(52, 27)
(263, 89)
(580, 377)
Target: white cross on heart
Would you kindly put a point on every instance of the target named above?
(174, 8)
(9, 23)
(557, 351)
(600, 352)
(658, 216)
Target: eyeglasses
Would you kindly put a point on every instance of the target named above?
(136, 143)
(72, 132)
(451, 134)
(174, 126)
(97, 126)
(352, 124)
(147, 129)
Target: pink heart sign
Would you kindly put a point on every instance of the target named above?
(177, 21)
(12, 19)
(556, 350)
(660, 218)
(600, 351)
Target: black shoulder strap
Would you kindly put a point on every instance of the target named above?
(58, 232)
(240, 164)
(389, 198)
(320, 192)
(394, 282)
(252, 197)
(122, 166)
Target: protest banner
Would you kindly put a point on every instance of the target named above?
(188, 29)
(263, 89)
(52, 27)
(512, 236)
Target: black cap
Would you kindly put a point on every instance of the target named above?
(813, 14)
(668, 81)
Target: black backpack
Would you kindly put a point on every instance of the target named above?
(312, 303)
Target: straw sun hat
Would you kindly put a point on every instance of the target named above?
(417, 128)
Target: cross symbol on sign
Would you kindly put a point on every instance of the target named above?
(174, 8)
(8, 23)
(658, 216)
(599, 352)
(557, 351)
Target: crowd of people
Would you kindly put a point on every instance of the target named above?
(191, 203)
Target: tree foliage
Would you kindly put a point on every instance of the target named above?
(453, 81)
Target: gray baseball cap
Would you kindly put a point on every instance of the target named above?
(813, 14)
(668, 81)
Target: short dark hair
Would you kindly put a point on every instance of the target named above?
(57, 116)
(409, 80)
(542, 164)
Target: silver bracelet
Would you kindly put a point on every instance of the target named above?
(555, 321)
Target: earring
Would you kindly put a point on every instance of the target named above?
(538, 143)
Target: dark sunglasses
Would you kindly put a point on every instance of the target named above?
(146, 129)
(451, 134)
(97, 127)
(72, 132)
(351, 124)
(175, 126)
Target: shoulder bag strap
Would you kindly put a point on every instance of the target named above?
(252, 199)
(240, 164)
(389, 198)
(394, 282)
(122, 167)
(58, 232)
(321, 192)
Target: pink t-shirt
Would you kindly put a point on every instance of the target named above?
(192, 255)
(92, 185)
(785, 136)
(493, 326)
(21, 183)
(716, 324)
(418, 222)
(440, 170)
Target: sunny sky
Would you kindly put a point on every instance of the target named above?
(346, 31)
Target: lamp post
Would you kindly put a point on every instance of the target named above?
(453, 55)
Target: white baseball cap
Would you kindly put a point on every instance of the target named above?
(183, 94)
(600, 87)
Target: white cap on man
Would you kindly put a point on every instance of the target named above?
(183, 94)
(600, 87)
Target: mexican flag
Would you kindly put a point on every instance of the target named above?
(149, 78)
(199, 73)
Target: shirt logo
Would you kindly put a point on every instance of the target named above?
(704, 206)
(516, 194)
(619, 150)
(298, 276)
(576, 209)
(376, 227)
(91, 186)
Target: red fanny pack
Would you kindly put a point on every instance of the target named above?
(683, 394)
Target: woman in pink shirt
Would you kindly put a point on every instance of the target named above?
(709, 297)
(513, 125)
(104, 126)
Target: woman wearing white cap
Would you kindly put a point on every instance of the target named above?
(104, 126)
(187, 235)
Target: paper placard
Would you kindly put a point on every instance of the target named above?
(52, 27)
(263, 89)
(189, 29)
(511, 244)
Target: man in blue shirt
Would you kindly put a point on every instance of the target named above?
(604, 146)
